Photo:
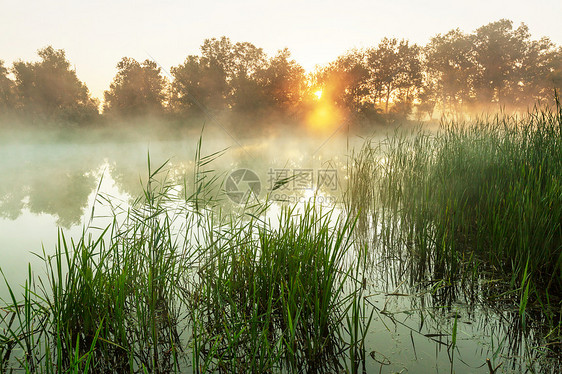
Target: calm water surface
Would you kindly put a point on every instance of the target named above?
(51, 185)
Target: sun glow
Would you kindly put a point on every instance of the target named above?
(318, 94)
(325, 117)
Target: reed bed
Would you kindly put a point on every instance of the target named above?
(179, 283)
(468, 200)
(183, 281)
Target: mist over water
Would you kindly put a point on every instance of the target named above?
(265, 132)
(50, 178)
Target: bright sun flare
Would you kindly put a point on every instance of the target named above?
(318, 94)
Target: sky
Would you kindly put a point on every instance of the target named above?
(96, 34)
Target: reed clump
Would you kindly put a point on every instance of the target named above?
(275, 298)
(174, 284)
(470, 198)
(106, 302)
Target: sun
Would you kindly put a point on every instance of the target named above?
(323, 117)
(318, 94)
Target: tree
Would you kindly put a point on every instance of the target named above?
(346, 81)
(535, 81)
(246, 61)
(237, 77)
(395, 71)
(283, 82)
(201, 83)
(554, 77)
(427, 100)
(189, 89)
(6, 90)
(50, 89)
(450, 68)
(137, 89)
(497, 65)
(500, 55)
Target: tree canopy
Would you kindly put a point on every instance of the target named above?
(50, 90)
(6, 90)
(238, 77)
(497, 66)
(138, 89)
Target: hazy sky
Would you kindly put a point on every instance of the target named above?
(96, 34)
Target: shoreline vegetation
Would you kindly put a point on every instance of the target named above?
(179, 282)
(497, 67)
(464, 216)
(176, 283)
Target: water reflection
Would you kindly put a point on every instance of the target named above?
(57, 178)
(45, 186)
(417, 314)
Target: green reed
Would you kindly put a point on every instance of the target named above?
(107, 301)
(470, 198)
(175, 284)
(274, 297)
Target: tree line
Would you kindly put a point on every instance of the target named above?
(496, 66)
